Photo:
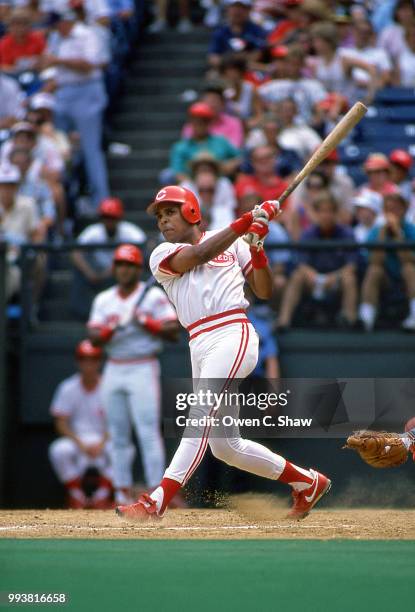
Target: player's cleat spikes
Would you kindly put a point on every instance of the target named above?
(305, 500)
(144, 509)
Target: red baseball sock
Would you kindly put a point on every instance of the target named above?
(297, 477)
(164, 493)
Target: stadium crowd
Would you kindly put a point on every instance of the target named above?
(280, 74)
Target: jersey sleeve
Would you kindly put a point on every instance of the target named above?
(96, 316)
(160, 258)
(243, 255)
(159, 306)
(62, 404)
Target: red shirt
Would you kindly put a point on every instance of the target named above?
(247, 184)
(11, 51)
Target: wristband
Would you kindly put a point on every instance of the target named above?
(241, 226)
(106, 333)
(258, 259)
(151, 325)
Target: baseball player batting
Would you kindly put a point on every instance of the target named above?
(131, 319)
(203, 275)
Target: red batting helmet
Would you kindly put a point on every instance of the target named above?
(401, 158)
(111, 207)
(189, 208)
(87, 349)
(129, 254)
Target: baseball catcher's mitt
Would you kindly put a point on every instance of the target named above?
(379, 449)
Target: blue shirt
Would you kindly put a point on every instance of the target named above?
(392, 261)
(223, 37)
(260, 317)
(326, 261)
(185, 150)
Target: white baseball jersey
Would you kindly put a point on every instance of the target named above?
(213, 288)
(83, 408)
(134, 341)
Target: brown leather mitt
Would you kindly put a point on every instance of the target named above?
(379, 449)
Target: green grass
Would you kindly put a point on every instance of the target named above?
(195, 575)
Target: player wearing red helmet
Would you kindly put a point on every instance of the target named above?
(130, 322)
(79, 420)
(203, 274)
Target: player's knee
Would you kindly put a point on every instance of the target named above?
(223, 450)
(61, 449)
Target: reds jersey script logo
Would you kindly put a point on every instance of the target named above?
(223, 260)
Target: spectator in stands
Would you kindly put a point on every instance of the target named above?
(19, 223)
(365, 49)
(323, 274)
(367, 208)
(406, 59)
(332, 66)
(377, 169)
(392, 37)
(302, 214)
(5, 9)
(37, 190)
(328, 112)
(294, 134)
(215, 193)
(11, 102)
(241, 97)
(201, 116)
(389, 269)
(237, 34)
(80, 94)
(79, 420)
(47, 162)
(93, 269)
(21, 47)
(292, 21)
(339, 184)
(268, 365)
(305, 91)
(222, 123)
(400, 166)
(160, 24)
(264, 180)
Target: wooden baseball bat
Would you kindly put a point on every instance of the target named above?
(345, 125)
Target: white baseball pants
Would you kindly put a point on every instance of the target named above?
(69, 462)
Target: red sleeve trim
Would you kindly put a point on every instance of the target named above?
(247, 269)
(164, 265)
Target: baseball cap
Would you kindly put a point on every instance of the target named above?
(22, 126)
(368, 199)
(395, 192)
(201, 110)
(9, 174)
(332, 99)
(279, 51)
(376, 161)
(86, 349)
(401, 158)
(42, 100)
(111, 207)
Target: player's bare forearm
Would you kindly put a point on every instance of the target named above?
(198, 254)
(260, 281)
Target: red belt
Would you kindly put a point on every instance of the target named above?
(221, 319)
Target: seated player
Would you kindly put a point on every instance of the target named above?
(79, 420)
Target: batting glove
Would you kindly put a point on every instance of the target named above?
(257, 233)
(151, 325)
(267, 210)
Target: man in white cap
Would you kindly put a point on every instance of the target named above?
(367, 208)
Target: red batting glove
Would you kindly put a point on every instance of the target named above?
(258, 258)
(270, 208)
(259, 227)
(150, 324)
(106, 333)
(240, 226)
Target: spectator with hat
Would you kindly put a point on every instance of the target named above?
(367, 207)
(182, 152)
(74, 53)
(390, 269)
(291, 22)
(93, 269)
(264, 180)
(41, 107)
(400, 166)
(222, 123)
(295, 134)
(377, 169)
(238, 34)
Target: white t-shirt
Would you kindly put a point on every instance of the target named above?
(83, 408)
(305, 92)
(372, 55)
(212, 288)
(133, 342)
(82, 43)
(95, 234)
(299, 138)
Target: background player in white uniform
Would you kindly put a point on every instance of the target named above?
(131, 381)
(204, 275)
(79, 418)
